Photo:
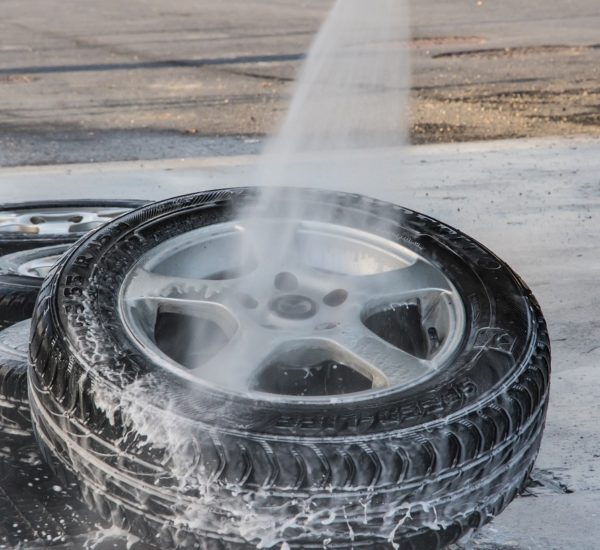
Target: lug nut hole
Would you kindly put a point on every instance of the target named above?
(335, 297)
(286, 281)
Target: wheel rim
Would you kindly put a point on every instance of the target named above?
(35, 262)
(39, 267)
(347, 315)
(57, 221)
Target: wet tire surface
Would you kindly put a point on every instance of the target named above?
(17, 298)
(14, 406)
(35, 508)
(436, 461)
(19, 291)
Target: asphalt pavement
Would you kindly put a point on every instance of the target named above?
(149, 79)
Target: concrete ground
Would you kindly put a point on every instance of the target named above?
(146, 79)
(536, 203)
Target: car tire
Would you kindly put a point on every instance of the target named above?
(19, 285)
(413, 468)
(14, 405)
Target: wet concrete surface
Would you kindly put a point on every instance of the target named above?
(536, 203)
(102, 81)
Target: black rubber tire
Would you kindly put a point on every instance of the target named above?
(37, 510)
(14, 404)
(15, 241)
(17, 298)
(418, 468)
(18, 292)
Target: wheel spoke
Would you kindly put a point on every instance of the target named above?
(147, 284)
(191, 307)
(236, 363)
(417, 278)
(385, 363)
(271, 244)
(150, 294)
(194, 313)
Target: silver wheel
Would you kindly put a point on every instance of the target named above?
(32, 263)
(38, 267)
(57, 221)
(342, 315)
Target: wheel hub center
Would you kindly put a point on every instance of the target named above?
(294, 306)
